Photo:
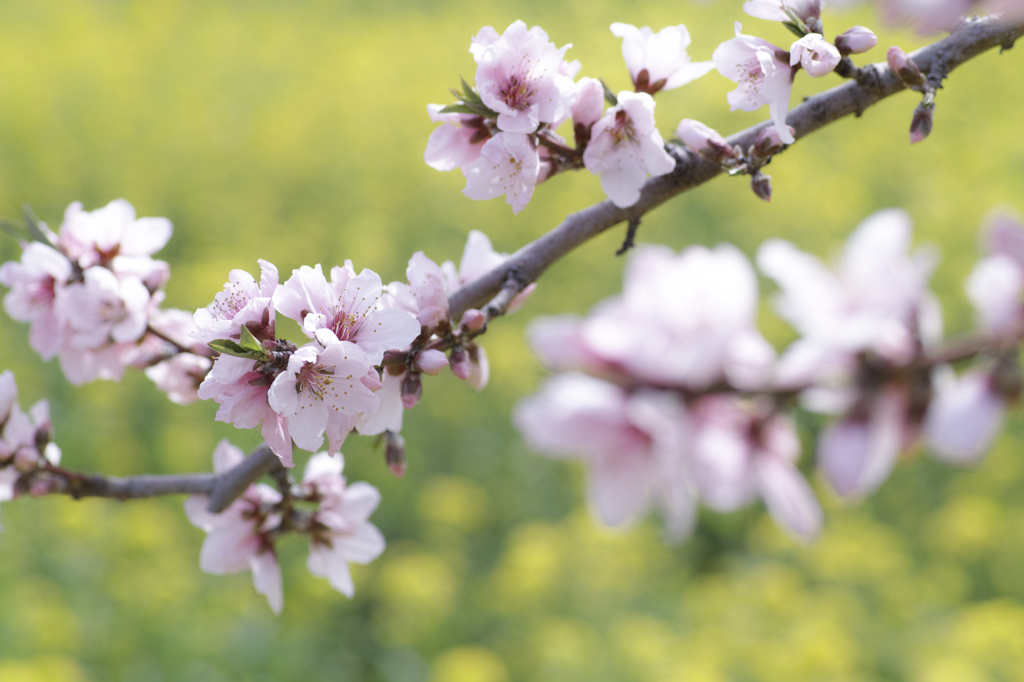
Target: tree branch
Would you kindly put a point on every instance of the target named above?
(691, 170)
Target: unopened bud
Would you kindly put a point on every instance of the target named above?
(430, 317)
(431, 362)
(705, 141)
(394, 453)
(459, 362)
(412, 389)
(26, 460)
(921, 123)
(42, 487)
(473, 320)
(768, 142)
(855, 41)
(904, 67)
(372, 381)
(762, 185)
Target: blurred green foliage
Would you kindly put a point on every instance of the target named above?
(294, 131)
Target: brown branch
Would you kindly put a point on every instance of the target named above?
(691, 170)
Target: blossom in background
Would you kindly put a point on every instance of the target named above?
(588, 108)
(341, 531)
(705, 141)
(457, 142)
(632, 444)
(818, 56)
(520, 75)
(35, 282)
(876, 302)
(239, 537)
(658, 61)
(997, 281)
(99, 237)
(479, 258)
(763, 74)
(775, 10)
(509, 165)
(625, 147)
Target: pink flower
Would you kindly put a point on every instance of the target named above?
(775, 10)
(520, 76)
(964, 417)
(625, 147)
(238, 538)
(738, 455)
(684, 320)
(705, 141)
(97, 237)
(242, 394)
(456, 143)
(996, 284)
(34, 284)
(763, 73)
(102, 309)
(632, 445)
(343, 533)
(589, 105)
(322, 390)
(509, 165)
(388, 416)
(658, 61)
(180, 376)
(347, 307)
(927, 16)
(426, 294)
(856, 40)
(243, 302)
(815, 54)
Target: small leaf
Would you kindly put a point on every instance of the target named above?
(469, 95)
(229, 347)
(472, 108)
(14, 228)
(457, 108)
(32, 225)
(249, 341)
(609, 96)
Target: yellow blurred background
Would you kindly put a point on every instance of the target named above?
(294, 131)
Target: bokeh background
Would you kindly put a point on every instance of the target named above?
(294, 131)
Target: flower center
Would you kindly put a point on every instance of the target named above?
(516, 93)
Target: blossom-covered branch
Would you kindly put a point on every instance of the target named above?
(692, 170)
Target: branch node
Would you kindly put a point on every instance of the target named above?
(628, 243)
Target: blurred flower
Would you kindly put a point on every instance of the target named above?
(588, 108)
(763, 74)
(34, 283)
(625, 147)
(658, 61)
(775, 10)
(342, 532)
(997, 281)
(520, 75)
(180, 376)
(705, 141)
(238, 538)
(964, 417)
(97, 237)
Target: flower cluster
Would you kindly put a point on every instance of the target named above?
(336, 520)
(946, 15)
(334, 383)
(91, 293)
(677, 399)
(26, 443)
(502, 133)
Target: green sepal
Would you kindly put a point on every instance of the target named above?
(468, 94)
(472, 108)
(229, 347)
(14, 228)
(32, 225)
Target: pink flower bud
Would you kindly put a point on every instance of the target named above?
(394, 453)
(460, 363)
(431, 362)
(855, 41)
(26, 460)
(472, 320)
(903, 66)
(769, 142)
(42, 487)
(705, 141)
(921, 123)
(815, 54)
(430, 317)
(412, 389)
(762, 185)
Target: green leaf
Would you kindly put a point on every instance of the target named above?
(457, 108)
(32, 225)
(469, 95)
(229, 347)
(250, 343)
(609, 96)
(472, 108)
(14, 228)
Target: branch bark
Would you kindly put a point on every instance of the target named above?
(691, 170)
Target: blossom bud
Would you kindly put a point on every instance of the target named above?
(769, 142)
(394, 453)
(460, 363)
(430, 317)
(431, 362)
(921, 123)
(42, 487)
(904, 67)
(26, 460)
(855, 41)
(762, 185)
(412, 389)
(705, 141)
(472, 320)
